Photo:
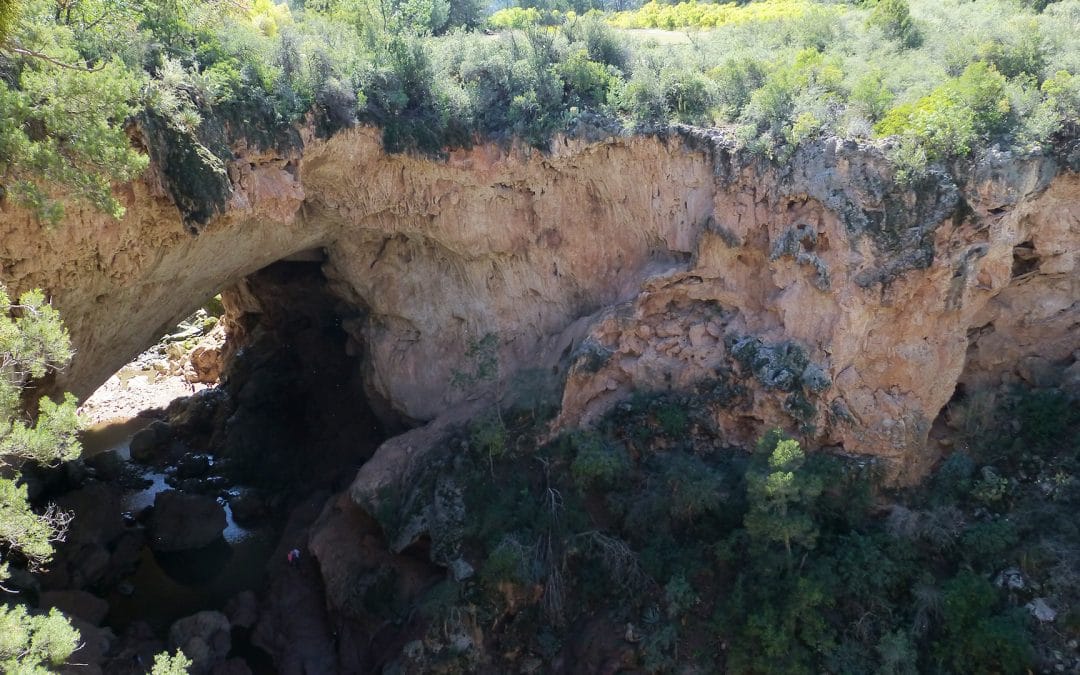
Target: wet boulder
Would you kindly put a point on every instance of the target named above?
(107, 466)
(193, 465)
(150, 443)
(212, 485)
(247, 506)
(183, 521)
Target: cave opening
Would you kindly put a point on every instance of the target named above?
(186, 512)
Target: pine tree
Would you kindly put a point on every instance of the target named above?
(780, 495)
(32, 341)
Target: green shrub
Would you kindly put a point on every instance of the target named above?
(1045, 417)
(515, 18)
(659, 649)
(870, 95)
(976, 639)
(601, 43)
(488, 435)
(897, 654)
(709, 15)
(598, 463)
(680, 596)
(673, 419)
(893, 17)
(694, 488)
(587, 82)
(689, 96)
(175, 664)
(465, 13)
(987, 541)
(643, 101)
(990, 488)
(953, 478)
(1062, 93)
(736, 80)
(949, 121)
(511, 561)
(794, 101)
(1023, 52)
(28, 644)
(780, 496)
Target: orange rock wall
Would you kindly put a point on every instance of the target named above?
(640, 246)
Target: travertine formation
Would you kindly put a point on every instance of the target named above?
(818, 295)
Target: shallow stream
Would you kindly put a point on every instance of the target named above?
(169, 586)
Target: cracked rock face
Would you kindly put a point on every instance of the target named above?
(820, 296)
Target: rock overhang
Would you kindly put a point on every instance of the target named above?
(878, 284)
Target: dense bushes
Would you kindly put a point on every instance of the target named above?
(776, 560)
(707, 15)
(950, 119)
(945, 79)
(893, 17)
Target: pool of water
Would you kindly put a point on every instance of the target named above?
(169, 586)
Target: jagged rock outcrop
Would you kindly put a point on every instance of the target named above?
(835, 302)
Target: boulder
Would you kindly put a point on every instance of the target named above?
(204, 638)
(212, 485)
(126, 551)
(207, 359)
(247, 506)
(193, 465)
(90, 565)
(97, 518)
(242, 610)
(198, 413)
(86, 606)
(107, 466)
(133, 653)
(1011, 579)
(1041, 611)
(147, 444)
(183, 521)
(94, 646)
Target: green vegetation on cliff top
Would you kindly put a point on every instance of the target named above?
(79, 78)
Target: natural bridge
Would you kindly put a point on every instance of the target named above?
(845, 308)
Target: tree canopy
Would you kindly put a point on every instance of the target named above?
(32, 342)
(81, 80)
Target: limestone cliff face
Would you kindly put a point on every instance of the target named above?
(819, 296)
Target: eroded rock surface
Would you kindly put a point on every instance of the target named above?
(820, 296)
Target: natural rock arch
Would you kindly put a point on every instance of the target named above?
(637, 262)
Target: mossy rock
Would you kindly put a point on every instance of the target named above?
(193, 175)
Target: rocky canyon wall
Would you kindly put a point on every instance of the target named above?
(817, 294)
